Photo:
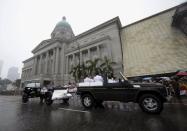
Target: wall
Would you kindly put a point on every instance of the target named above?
(153, 46)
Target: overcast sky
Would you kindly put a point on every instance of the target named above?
(25, 23)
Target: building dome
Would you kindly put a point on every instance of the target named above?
(63, 22)
(62, 30)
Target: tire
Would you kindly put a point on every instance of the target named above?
(66, 100)
(151, 104)
(87, 101)
(25, 98)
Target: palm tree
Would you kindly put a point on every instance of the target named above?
(93, 66)
(74, 73)
(106, 66)
(79, 71)
(83, 71)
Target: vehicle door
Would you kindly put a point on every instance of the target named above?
(100, 92)
(115, 91)
(123, 91)
(110, 92)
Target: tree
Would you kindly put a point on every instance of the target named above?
(74, 72)
(79, 72)
(106, 66)
(83, 70)
(93, 66)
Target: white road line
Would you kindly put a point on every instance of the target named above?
(73, 110)
(176, 104)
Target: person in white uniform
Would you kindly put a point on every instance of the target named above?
(98, 78)
(88, 79)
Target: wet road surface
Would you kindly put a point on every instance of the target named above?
(113, 116)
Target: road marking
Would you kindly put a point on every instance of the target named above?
(72, 110)
(176, 104)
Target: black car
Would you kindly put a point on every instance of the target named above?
(33, 90)
(150, 96)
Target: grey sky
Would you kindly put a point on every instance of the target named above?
(25, 23)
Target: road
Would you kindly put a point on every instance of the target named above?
(113, 116)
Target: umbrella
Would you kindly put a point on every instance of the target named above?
(181, 73)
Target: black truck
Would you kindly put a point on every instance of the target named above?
(149, 96)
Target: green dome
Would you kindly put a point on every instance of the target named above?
(63, 23)
(62, 30)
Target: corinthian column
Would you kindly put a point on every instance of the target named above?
(34, 66)
(98, 52)
(89, 54)
(80, 55)
(40, 62)
(57, 61)
(46, 62)
(67, 63)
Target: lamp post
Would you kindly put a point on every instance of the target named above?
(79, 55)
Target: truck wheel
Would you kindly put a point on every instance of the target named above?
(25, 98)
(66, 100)
(151, 104)
(87, 101)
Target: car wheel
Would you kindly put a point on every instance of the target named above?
(87, 101)
(151, 104)
(65, 100)
(25, 98)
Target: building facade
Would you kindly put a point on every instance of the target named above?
(157, 44)
(154, 45)
(53, 58)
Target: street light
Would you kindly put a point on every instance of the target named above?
(79, 55)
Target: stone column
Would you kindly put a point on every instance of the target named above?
(62, 63)
(57, 61)
(52, 58)
(88, 54)
(34, 66)
(98, 52)
(46, 62)
(67, 64)
(39, 65)
(25, 74)
(73, 60)
(81, 59)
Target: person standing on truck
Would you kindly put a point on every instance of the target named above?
(88, 79)
(98, 78)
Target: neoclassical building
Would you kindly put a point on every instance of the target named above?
(53, 58)
(156, 45)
